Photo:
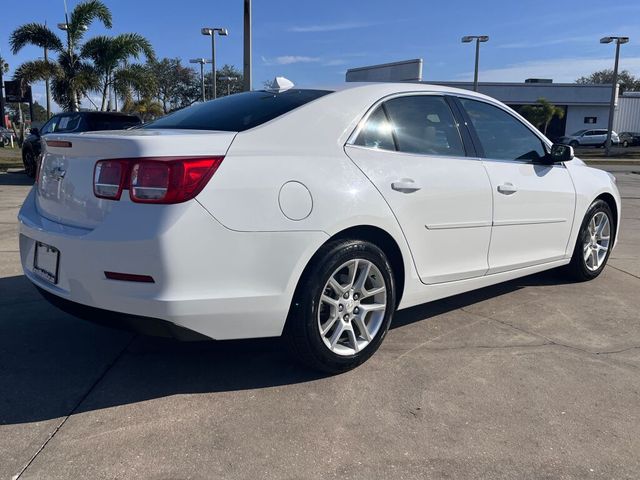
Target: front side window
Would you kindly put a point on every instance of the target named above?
(503, 137)
(50, 125)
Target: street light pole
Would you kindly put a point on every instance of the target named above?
(228, 80)
(614, 87)
(201, 61)
(2, 66)
(479, 39)
(246, 75)
(223, 32)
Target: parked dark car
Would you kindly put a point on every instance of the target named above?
(72, 122)
(629, 139)
(5, 137)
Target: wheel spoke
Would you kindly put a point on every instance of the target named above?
(373, 292)
(351, 335)
(325, 329)
(372, 307)
(595, 259)
(339, 289)
(353, 271)
(587, 252)
(336, 334)
(362, 279)
(364, 330)
(331, 301)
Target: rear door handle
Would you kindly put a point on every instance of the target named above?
(507, 188)
(405, 185)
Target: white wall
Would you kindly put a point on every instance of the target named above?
(577, 113)
(627, 118)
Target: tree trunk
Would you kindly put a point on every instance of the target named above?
(103, 107)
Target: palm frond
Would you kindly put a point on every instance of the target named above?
(37, 70)
(34, 34)
(84, 14)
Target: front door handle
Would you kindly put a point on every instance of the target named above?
(507, 188)
(405, 185)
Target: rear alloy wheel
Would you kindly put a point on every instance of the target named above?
(29, 161)
(573, 144)
(343, 307)
(594, 242)
(625, 144)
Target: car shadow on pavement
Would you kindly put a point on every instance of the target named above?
(15, 177)
(52, 365)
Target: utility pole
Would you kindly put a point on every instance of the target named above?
(247, 46)
(2, 65)
(614, 88)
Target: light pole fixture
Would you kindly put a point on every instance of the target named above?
(223, 32)
(201, 61)
(614, 87)
(479, 39)
(229, 80)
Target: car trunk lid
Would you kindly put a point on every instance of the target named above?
(65, 181)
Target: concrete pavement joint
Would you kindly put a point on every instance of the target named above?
(550, 341)
(82, 399)
(623, 271)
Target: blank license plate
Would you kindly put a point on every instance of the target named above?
(45, 262)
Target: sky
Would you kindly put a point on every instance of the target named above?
(314, 43)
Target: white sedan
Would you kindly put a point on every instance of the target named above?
(314, 214)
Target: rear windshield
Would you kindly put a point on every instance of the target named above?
(239, 112)
(111, 122)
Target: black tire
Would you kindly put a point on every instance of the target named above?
(302, 331)
(6, 141)
(578, 269)
(574, 144)
(29, 162)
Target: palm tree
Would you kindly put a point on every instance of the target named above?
(541, 113)
(4, 69)
(110, 56)
(71, 77)
(40, 36)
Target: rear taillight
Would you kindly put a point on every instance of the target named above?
(154, 180)
(109, 178)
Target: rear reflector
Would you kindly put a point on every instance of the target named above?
(58, 144)
(129, 277)
(154, 180)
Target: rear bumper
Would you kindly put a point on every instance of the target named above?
(122, 321)
(220, 283)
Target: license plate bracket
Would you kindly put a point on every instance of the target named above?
(46, 261)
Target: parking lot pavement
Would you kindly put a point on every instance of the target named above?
(535, 378)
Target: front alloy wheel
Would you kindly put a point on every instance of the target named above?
(342, 307)
(594, 243)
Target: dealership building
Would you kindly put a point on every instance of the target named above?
(585, 106)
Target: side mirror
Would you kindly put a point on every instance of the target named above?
(560, 153)
(34, 131)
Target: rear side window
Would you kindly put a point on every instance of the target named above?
(377, 132)
(421, 124)
(112, 122)
(67, 123)
(424, 124)
(239, 112)
(503, 137)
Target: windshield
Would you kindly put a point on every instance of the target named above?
(238, 112)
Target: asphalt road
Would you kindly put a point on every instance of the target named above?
(535, 378)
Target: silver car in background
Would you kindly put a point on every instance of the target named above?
(595, 137)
